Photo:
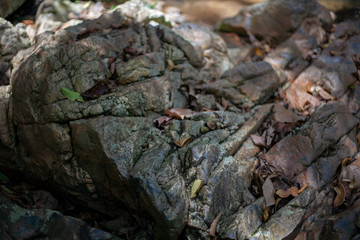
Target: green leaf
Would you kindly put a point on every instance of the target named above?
(3, 177)
(112, 7)
(87, 4)
(196, 187)
(71, 95)
(352, 86)
(278, 73)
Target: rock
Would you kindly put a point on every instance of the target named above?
(209, 45)
(244, 223)
(285, 221)
(246, 84)
(106, 152)
(326, 126)
(272, 21)
(323, 170)
(19, 223)
(12, 40)
(9, 6)
(141, 11)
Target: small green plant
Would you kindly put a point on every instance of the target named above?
(73, 96)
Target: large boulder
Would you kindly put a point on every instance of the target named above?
(106, 152)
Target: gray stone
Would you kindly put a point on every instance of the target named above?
(20, 223)
(326, 126)
(9, 6)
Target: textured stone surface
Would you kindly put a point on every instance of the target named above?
(20, 223)
(326, 126)
(9, 6)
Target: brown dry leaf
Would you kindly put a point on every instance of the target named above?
(277, 203)
(183, 142)
(179, 113)
(268, 191)
(324, 94)
(345, 162)
(206, 110)
(224, 103)
(351, 173)
(303, 188)
(214, 224)
(170, 64)
(282, 127)
(286, 193)
(340, 197)
(211, 125)
(197, 185)
(28, 22)
(281, 114)
(258, 140)
(266, 214)
(258, 52)
(162, 121)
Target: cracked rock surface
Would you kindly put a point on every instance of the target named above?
(116, 152)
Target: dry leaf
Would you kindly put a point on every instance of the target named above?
(286, 193)
(224, 103)
(324, 94)
(197, 185)
(303, 188)
(183, 142)
(351, 172)
(269, 191)
(266, 214)
(281, 114)
(345, 162)
(258, 52)
(28, 22)
(179, 113)
(211, 125)
(162, 121)
(277, 203)
(340, 197)
(214, 224)
(258, 140)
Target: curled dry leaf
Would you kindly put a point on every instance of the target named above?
(266, 214)
(224, 103)
(258, 140)
(162, 121)
(197, 185)
(28, 22)
(345, 162)
(269, 191)
(214, 224)
(340, 197)
(351, 172)
(303, 188)
(286, 193)
(96, 91)
(170, 64)
(179, 113)
(277, 203)
(183, 142)
(324, 94)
